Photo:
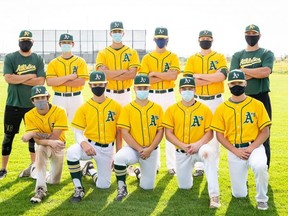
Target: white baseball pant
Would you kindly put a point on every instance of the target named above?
(103, 159)
(239, 171)
(121, 98)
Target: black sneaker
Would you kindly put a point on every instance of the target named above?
(198, 173)
(87, 166)
(39, 195)
(122, 192)
(78, 195)
(137, 173)
(3, 173)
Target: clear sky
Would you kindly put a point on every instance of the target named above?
(184, 19)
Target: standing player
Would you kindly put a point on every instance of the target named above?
(162, 67)
(67, 75)
(95, 133)
(209, 69)
(22, 70)
(120, 64)
(242, 125)
(141, 127)
(257, 64)
(46, 123)
(187, 126)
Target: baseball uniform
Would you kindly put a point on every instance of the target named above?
(241, 123)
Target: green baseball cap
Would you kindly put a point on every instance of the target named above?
(252, 27)
(236, 76)
(38, 91)
(97, 77)
(187, 81)
(161, 32)
(141, 80)
(25, 34)
(66, 37)
(205, 33)
(116, 25)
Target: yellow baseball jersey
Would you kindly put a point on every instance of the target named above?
(62, 67)
(160, 62)
(208, 64)
(121, 59)
(56, 119)
(240, 122)
(142, 122)
(98, 121)
(188, 123)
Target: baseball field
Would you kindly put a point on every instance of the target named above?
(166, 198)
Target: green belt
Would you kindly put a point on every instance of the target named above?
(212, 97)
(242, 145)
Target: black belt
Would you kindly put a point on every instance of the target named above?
(242, 145)
(99, 144)
(67, 94)
(180, 150)
(212, 97)
(118, 91)
(161, 91)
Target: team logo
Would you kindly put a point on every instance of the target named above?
(66, 37)
(196, 121)
(153, 120)
(213, 65)
(110, 116)
(116, 25)
(126, 57)
(75, 68)
(37, 90)
(143, 80)
(249, 118)
(166, 67)
(98, 77)
(187, 81)
(251, 27)
(26, 34)
(235, 75)
(161, 31)
(205, 32)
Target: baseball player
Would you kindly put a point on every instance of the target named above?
(46, 123)
(95, 133)
(187, 126)
(162, 67)
(257, 64)
(209, 69)
(141, 127)
(22, 70)
(67, 75)
(242, 125)
(120, 64)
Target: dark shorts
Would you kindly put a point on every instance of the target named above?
(12, 118)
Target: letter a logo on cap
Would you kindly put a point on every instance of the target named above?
(38, 90)
(161, 31)
(235, 75)
(26, 34)
(143, 80)
(98, 77)
(187, 81)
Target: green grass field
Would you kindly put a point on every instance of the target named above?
(166, 198)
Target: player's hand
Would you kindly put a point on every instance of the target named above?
(32, 76)
(242, 154)
(88, 149)
(72, 76)
(103, 67)
(57, 145)
(26, 137)
(193, 148)
(145, 153)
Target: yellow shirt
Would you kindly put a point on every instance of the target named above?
(142, 122)
(240, 122)
(98, 121)
(160, 62)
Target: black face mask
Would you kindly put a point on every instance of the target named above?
(252, 40)
(98, 91)
(205, 44)
(237, 90)
(25, 46)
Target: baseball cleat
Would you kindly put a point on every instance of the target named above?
(215, 202)
(26, 172)
(39, 195)
(171, 172)
(3, 173)
(262, 205)
(137, 173)
(122, 192)
(78, 195)
(198, 173)
(86, 168)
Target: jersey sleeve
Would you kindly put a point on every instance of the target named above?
(135, 62)
(161, 116)
(217, 123)
(235, 61)
(83, 70)
(188, 69)
(168, 121)
(79, 120)
(208, 119)
(145, 65)
(51, 72)
(124, 119)
(8, 66)
(40, 67)
(223, 64)
(30, 121)
(175, 65)
(100, 59)
(61, 120)
(263, 117)
(268, 60)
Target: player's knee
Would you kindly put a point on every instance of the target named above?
(31, 146)
(71, 153)
(119, 160)
(7, 144)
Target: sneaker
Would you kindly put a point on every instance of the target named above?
(171, 172)
(262, 205)
(198, 173)
(130, 170)
(3, 173)
(95, 177)
(122, 192)
(137, 173)
(87, 166)
(78, 195)
(215, 202)
(39, 195)
(26, 172)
